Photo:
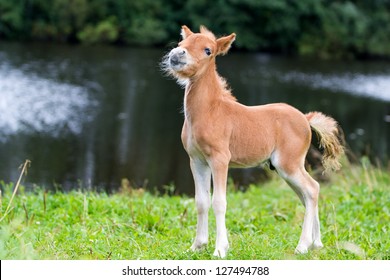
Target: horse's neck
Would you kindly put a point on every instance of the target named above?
(201, 95)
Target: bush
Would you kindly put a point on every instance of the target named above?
(105, 31)
(12, 23)
(326, 29)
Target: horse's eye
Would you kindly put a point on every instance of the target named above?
(207, 51)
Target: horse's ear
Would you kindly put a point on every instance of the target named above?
(185, 32)
(224, 43)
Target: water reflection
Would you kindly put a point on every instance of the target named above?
(31, 104)
(372, 86)
(90, 116)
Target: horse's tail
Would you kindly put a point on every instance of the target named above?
(328, 133)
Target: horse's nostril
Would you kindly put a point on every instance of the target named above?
(183, 52)
(174, 60)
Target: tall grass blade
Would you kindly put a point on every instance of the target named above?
(25, 166)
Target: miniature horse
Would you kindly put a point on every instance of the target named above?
(219, 133)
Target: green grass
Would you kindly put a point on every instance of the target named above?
(263, 222)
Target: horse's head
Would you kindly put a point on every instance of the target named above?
(195, 53)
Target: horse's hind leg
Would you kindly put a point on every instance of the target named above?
(307, 190)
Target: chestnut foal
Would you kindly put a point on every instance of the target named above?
(219, 133)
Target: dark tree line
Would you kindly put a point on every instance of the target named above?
(306, 27)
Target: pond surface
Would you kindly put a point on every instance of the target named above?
(90, 116)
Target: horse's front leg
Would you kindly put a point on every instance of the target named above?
(202, 178)
(219, 169)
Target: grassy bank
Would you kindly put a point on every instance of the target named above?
(263, 223)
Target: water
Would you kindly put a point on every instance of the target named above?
(89, 116)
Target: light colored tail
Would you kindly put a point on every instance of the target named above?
(328, 134)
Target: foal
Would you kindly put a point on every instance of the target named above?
(219, 133)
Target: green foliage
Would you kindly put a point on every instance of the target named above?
(105, 31)
(343, 32)
(327, 29)
(12, 22)
(263, 222)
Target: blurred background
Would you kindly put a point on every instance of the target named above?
(82, 95)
